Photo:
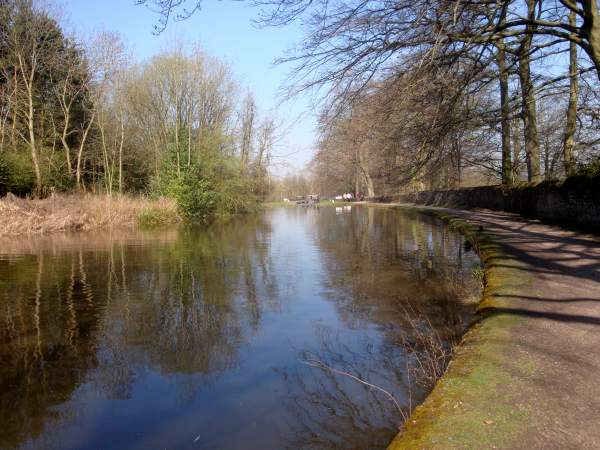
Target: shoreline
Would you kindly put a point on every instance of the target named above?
(523, 375)
(82, 212)
(447, 419)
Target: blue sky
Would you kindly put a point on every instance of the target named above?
(224, 29)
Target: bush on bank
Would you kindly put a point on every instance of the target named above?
(213, 187)
(16, 174)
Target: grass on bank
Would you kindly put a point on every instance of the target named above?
(82, 212)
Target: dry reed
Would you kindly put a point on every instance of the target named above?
(79, 212)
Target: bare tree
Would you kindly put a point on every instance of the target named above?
(532, 148)
(247, 119)
(571, 119)
(33, 42)
(109, 62)
(73, 91)
(507, 172)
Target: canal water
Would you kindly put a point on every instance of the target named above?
(241, 334)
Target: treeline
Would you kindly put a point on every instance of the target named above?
(435, 94)
(293, 185)
(83, 116)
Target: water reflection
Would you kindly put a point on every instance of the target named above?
(394, 278)
(181, 303)
(390, 261)
(194, 338)
(333, 411)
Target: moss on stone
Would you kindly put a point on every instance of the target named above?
(476, 403)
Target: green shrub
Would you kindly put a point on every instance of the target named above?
(16, 174)
(590, 170)
(165, 182)
(4, 177)
(237, 195)
(587, 179)
(156, 217)
(196, 196)
(214, 187)
(55, 173)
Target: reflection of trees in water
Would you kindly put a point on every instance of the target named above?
(408, 275)
(46, 347)
(199, 298)
(332, 411)
(178, 307)
(390, 262)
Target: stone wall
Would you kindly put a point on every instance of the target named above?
(575, 201)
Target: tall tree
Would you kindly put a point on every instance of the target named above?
(248, 118)
(571, 119)
(532, 146)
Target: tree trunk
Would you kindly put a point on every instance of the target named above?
(107, 168)
(507, 172)
(121, 142)
(516, 159)
(363, 165)
(65, 145)
(590, 30)
(547, 171)
(32, 142)
(13, 139)
(34, 156)
(2, 132)
(177, 136)
(248, 117)
(66, 110)
(156, 157)
(189, 152)
(456, 158)
(30, 115)
(532, 145)
(571, 120)
(80, 150)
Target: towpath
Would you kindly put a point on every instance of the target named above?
(528, 375)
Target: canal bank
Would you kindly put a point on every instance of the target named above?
(525, 374)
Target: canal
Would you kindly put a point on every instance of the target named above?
(238, 334)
